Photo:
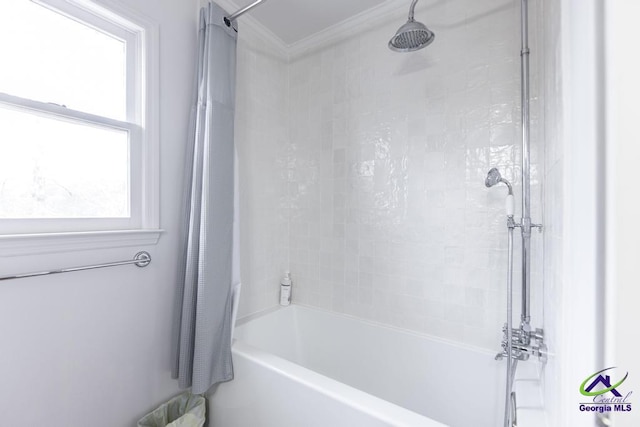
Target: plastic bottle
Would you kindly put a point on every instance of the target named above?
(285, 289)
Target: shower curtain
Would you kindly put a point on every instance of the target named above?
(209, 266)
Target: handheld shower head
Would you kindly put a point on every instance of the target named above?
(412, 35)
(494, 177)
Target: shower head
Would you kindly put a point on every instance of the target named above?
(494, 177)
(412, 35)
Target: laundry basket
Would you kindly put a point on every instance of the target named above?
(185, 410)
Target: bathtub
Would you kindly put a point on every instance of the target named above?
(300, 367)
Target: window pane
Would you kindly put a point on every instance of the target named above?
(59, 169)
(51, 58)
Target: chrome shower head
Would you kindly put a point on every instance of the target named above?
(412, 35)
(494, 177)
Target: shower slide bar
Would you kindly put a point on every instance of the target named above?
(141, 259)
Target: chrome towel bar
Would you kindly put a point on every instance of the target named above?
(141, 259)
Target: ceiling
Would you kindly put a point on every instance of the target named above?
(295, 20)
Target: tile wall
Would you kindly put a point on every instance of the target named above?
(387, 153)
(262, 147)
(553, 199)
(362, 170)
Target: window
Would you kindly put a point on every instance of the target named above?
(78, 150)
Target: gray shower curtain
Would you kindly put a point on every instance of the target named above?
(203, 323)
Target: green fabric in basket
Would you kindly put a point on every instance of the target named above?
(185, 410)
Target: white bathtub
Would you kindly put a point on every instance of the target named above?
(299, 367)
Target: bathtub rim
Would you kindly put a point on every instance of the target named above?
(469, 347)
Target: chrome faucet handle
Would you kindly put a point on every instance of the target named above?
(541, 353)
(538, 334)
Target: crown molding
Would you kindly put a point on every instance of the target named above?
(331, 35)
(253, 25)
(348, 27)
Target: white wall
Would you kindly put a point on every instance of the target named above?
(577, 324)
(93, 348)
(390, 218)
(623, 155)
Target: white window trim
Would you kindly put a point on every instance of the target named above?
(147, 44)
(45, 243)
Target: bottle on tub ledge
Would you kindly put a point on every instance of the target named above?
(285, 289)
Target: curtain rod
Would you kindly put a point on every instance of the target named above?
(141, 259)
(244, 10)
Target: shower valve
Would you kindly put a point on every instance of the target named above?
(522, 347)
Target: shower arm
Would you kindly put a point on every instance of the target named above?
(412, 10)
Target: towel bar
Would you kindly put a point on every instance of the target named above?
(141, 259)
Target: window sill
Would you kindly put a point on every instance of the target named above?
(29, 244)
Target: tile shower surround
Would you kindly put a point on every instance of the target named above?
(261, 136)
(380, 176)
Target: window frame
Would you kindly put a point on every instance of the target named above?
(142, 226)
